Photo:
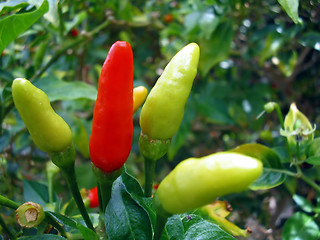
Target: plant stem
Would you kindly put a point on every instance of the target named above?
(56, 56)
(72, 44)
(105, 181)
(289, 173)
(8, 203)
(7, 229)
(70, 176)
(160, 225)
(56, 224)
(279, 113)
(149, 175)
(307, 179)
(105, 192)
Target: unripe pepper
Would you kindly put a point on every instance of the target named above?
(112, 126)
(48, 130)
(197, 182)
(163, 110)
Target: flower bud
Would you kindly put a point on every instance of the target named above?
(297, 127)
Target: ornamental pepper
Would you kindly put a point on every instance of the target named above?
(197, 182)
(48, 130)
(163, 110)
(112, 126)
(93, 197)
(139, 95)
(162, 113)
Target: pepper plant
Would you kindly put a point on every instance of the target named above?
(81, 160)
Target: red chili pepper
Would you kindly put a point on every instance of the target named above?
(112, 126)
(74, 32)
(93, 197)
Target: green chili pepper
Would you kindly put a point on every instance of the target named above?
(197, 182)
(163, 110)
(48, 130)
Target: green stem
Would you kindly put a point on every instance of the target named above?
(105, 181)
(50, 190)
(310, 182)
(65, 161)
(149, 175)
(7, 229)
(286, 172)
(58, 53)
(8, 203)
(61, 22)
(105, 191)
(279, 113)
(100, 199)
(55, 224)
(70, 176)
(101, 229)
(160, 225)
(65, 48)
(307, 179)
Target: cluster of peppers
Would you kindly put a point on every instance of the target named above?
(192, 184)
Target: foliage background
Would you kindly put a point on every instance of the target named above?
(252, 52)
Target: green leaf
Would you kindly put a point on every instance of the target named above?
(12, 5)
(56, 89)
(68, 224)
(125, 218)
(174, 229)
(311, 39)
(313, 148)
(271, 162)
(11, 27)
(300, 226)
(216, 48)
(208, 23)
(132, 184)
(52, 14)
(85, 176)
(287, 62)
(197, 228)
(191, 21)
(180, 137)
(36, 192)
(303, 203)
(291, 8)
(87, 233)
(272, 45)
(4, 140)
(315, 160)
(80, 136)
(215, 110)
(43, 237)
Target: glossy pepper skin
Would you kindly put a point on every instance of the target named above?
(48, 130)
(197, 182)
(139, 95)
(93, 197)
(112, 126)
(163, 110)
